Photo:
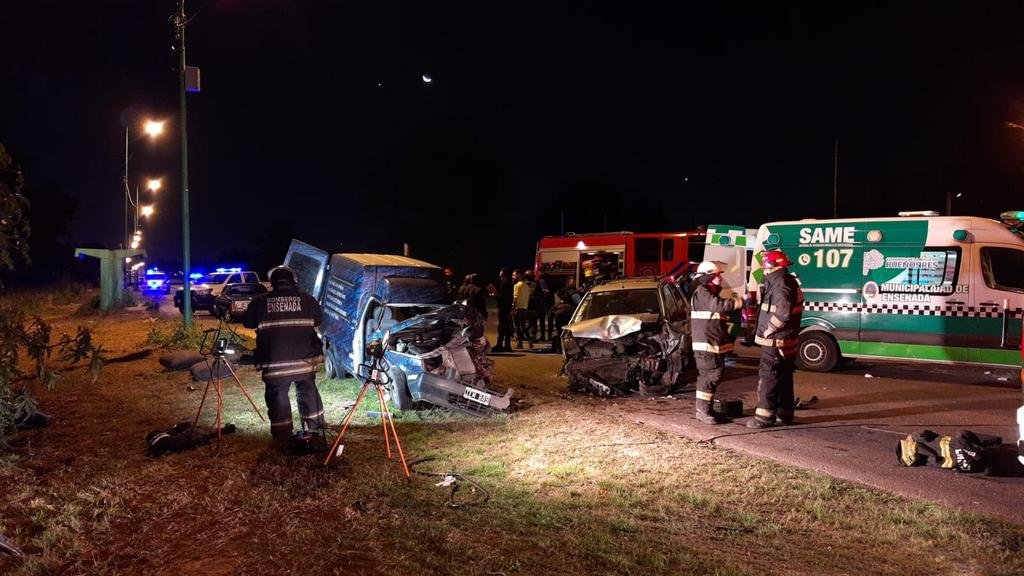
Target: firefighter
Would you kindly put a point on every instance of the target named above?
(287, 350)
(778, 323)
(709, 318)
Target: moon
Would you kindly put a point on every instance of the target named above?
(427, 79)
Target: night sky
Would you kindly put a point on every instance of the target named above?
(314, 117)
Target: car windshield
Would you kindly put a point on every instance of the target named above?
(216, 277)
(635, 301)
(247, 289)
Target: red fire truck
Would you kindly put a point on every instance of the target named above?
(585, 256)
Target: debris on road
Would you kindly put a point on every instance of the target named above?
(800, 403)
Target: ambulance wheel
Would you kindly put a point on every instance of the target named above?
(329, 369)
(399, 390)
(817, 351)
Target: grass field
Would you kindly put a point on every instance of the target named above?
(571, 491)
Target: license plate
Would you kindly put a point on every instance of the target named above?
(477, 396)
(239, 305)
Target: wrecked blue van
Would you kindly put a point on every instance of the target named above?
(436, 351)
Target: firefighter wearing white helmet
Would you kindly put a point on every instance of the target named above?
(778, 325)
(711, 338)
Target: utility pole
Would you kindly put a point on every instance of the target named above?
(835, 179)
(186, 298)
(124, 181)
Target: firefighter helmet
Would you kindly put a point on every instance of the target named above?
(711, 267)
(776, 259)
(281, 275)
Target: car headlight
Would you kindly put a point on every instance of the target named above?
(569, 345)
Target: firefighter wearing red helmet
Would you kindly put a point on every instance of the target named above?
(778, 324)
(709, 317)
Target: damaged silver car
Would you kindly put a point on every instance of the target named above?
(627, 336)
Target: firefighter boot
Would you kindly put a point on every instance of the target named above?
(712, 417)
(706, 413)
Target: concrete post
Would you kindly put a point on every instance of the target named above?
(111, 272)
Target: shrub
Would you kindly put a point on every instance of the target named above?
(32, 337)
(178, 337)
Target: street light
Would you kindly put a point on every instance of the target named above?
(147, 211)
(153, 129)
(153, 184)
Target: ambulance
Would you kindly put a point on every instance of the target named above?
(918, 286)
(733, 246)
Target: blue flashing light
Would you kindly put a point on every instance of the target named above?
(228, 270)
(195, 276)
(154, 271)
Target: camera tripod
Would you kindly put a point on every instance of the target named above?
(215, 381)
(375, 380)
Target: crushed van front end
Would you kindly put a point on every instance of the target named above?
(440, 358)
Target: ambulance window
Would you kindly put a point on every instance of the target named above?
(647, 249)
(1003, 268)
(933, 267)
(668, 249)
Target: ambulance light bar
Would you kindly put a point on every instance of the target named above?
(917, 213)
(1012, 218)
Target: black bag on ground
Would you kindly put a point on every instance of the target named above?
(182, 436)
(968, 451)
(201, 371)
(180, 360)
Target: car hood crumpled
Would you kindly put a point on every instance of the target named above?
(610, 327)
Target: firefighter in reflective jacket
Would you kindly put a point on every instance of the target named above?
(778, 324)
(287, 350)
(709, 317)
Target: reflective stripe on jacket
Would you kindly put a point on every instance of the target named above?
(709, 316)
(286, 341)
(782, 306)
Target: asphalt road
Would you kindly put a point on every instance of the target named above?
(852, 431)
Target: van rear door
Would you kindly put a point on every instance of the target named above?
(310, 266)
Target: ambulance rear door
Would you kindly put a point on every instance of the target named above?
(728, 244)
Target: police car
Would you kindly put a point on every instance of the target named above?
(234, 299)
(205, 289)
(155, 281)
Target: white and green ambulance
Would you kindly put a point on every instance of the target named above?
(733, 246)
(917, 287)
